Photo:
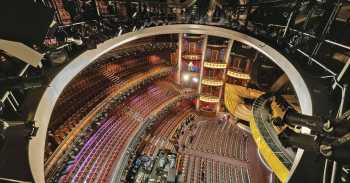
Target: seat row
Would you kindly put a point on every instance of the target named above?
(199, 170)
(221, 138)
(101, 154)
(164, 131)
(91, 77)
(153, 96)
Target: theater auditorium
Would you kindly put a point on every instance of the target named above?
(174, 91)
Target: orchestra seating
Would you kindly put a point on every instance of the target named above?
(221, 138)
(164, 134)
(101, 152)
(201, 169)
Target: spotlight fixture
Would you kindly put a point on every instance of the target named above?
(195, 80)
(78, 42)
(186, 77)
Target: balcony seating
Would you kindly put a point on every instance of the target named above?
(215, 53)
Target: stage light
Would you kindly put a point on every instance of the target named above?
(186, 77)
(195, 80)
(78, 42)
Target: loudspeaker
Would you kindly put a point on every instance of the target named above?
(24, 21)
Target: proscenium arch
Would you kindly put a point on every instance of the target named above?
(62, 79)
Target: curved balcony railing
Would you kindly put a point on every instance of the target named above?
(210, 93)
(212, 82)
(215, 65)
(192, 57)
(217, 46)
(267, 140)
(238, 75)
(209, 99)
(193, 37)
(233, 54)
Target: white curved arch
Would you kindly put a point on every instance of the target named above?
(50, 96)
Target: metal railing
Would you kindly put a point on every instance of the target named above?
(261, 117)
